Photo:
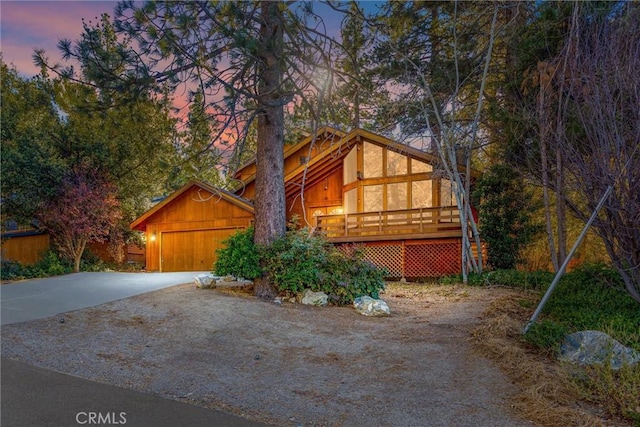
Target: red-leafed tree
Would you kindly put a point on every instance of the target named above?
(84, 211)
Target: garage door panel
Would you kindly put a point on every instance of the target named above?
(191, 250)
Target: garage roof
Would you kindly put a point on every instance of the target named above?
(140, 223)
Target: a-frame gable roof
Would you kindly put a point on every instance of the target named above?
(339, 140)
(241, 202)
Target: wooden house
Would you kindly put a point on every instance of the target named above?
(355, 187)
(184, 230)
(360, 187)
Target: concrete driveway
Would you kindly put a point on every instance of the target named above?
(40, 298)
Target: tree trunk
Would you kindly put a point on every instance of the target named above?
(543, 129)
(270, 206)
(77, 248)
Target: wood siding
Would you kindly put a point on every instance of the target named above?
(25, 249)
(183, 235)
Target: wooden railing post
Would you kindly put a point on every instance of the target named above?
(346, 224)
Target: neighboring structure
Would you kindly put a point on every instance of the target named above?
(184, 230)
(25, 245)
(356, 188)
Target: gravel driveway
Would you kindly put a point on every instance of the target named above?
(286, 364)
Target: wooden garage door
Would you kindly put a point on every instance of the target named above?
(191, 250)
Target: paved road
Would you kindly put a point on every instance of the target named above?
(37, 397)
(40, 298)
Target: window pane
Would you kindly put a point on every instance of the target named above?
(372, 160)
(419, 167)
(351, 201)
(397, 196)
(421, 194)
(446, 196)
(396, 164)
(350, 168)
(372, 198)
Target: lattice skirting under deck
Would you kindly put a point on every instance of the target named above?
(413, 259)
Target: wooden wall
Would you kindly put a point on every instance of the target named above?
(197, 213)
(324, 195)
(25, 249)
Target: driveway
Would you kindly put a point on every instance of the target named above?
(40, 298)
(69, 400)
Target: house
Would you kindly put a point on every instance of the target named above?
(184, 230)
(356, 187)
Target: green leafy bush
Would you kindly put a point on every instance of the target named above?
(299, 261)
(11, 270)
(49, 265)
(52, 265)
(240, 257)
(349, 276)
(296, 261)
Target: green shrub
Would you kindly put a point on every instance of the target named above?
(11, 270)
(299, 261)
(91, 262)
(296, 261)
(49, 265)
(348, 276)
(240, 257)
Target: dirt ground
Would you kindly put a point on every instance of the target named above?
(287, 364)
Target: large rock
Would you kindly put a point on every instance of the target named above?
(314, 298)
(206, 281)
(597, 348)
(371, 306)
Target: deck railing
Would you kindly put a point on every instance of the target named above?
(435, 222)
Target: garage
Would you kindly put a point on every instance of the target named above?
(183, 231)
(191, 250)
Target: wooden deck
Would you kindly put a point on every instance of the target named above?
(424, 223)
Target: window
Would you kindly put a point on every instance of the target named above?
(350, 170)
(397, 196)
(396, 164)
(372, 160)
(420, 167)
(372, 198)
(421, 194)
(351, 201)
(446, 194)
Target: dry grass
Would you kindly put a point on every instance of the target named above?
(549, 395)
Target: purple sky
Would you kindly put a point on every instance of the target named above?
(27, 25)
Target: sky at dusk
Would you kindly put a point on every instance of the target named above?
(28, 25)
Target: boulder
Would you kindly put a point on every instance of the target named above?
(314, 298)
(597, 348)
(371, 306)
(205, 281)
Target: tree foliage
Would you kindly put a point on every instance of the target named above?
(52, 127)
(505, 215)
(601, 121)
(248, 60)
(84, 210)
